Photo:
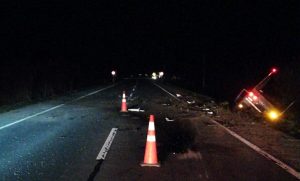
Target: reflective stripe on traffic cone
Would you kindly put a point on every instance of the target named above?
(150, 157)
(124, 106)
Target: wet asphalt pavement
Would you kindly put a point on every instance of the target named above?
(63, 143)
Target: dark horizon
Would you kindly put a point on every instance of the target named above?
(239, 41)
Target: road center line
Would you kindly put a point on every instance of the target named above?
(166, 91)
(53, 108)
(105, 148)
(281, 164)
(284, 166)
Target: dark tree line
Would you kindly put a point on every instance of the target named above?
(34, 80)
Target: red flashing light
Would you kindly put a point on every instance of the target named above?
(251, 94)
(274, 70)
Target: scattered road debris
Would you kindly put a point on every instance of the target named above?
(191, 102)
(136, 110)
(178, 95)
(210, 112)
(169, 120)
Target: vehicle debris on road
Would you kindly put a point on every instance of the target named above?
(169, 120)
(136, 110)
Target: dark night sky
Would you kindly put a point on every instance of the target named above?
(235, 37)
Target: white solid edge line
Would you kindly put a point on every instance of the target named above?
(92, 93)
(28, 117)
(105, 148)
(51, 109)
(284, 166)
(166, 91)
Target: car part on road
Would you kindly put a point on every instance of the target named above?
(169, 120)
(136, 110)
(191, 102)
(210, 112)
(178, 95)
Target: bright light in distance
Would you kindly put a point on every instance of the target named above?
(160, 74)
(113, 73)
(241, 106)
(154, 76)
(273, 115)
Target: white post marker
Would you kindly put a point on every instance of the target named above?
(105, 148)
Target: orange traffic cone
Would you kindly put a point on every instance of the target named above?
(150, 157)
(124, 106)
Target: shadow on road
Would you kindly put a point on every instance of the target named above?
(175, 138)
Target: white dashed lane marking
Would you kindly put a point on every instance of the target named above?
(105, 148)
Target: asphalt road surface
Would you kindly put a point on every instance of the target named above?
(60, 140)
